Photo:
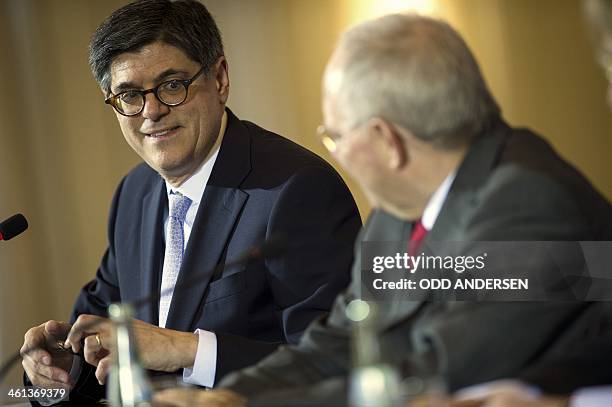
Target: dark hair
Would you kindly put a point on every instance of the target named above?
(185, 24)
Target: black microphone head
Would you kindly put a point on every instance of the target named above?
(13, 226)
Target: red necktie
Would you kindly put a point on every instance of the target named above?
(416, 237)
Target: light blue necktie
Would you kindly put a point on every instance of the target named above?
(175, 247)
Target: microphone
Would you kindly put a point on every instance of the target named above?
(13, 226)
(273, 247)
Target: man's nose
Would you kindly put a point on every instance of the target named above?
(154, 109)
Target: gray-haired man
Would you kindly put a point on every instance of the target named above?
(408, 115)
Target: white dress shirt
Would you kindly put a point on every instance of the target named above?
(203, 371)
(586, 397)
(434, 205)
(592, 397)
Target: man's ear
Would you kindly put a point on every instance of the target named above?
(105, 92)
(393, 145)
(221, 70)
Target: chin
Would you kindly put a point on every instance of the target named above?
(175, 169)
(168, 161)
(402, 213)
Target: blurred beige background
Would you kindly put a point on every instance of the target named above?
(62, 154)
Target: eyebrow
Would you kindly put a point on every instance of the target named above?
(123, 86)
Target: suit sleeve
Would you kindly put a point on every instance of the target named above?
(322, 354)
(316, 214)
(578, 359)
(514, 335)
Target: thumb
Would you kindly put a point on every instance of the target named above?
(57, 329)
(103, 368)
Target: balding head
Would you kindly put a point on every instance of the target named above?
(414, 71)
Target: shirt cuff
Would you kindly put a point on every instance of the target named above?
(591, 396)
(75, 372)
(205, 366)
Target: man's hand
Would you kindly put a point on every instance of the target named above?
(159, 349)
(502, 394)
(512, 394)
(44, 361)
(510, 400)
(194, 397)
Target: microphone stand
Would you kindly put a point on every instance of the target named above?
(127, 382)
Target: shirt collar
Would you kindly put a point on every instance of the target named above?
(193, 187)
(432, 210)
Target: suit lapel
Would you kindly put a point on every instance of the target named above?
(384, 227)
(154, 204)
(462, 198)
(217, 214)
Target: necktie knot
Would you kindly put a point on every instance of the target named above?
(179, 205)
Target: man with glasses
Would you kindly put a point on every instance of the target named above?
(212, 187)
(170, 93)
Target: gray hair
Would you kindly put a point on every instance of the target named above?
(416, 72)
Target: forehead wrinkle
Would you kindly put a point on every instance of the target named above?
(157, 80)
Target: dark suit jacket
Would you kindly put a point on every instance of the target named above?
(510, 187)
(262, 185)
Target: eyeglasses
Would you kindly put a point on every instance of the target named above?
(329, 138)
(170, 93)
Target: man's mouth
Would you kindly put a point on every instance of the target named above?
(162, 133)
